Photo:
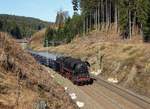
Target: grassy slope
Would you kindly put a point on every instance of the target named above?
(35, 83)
(37, 40)
(126, 60)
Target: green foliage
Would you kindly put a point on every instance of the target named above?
(75, 5)
(49, 36)
(15, 31)
(124, 15)
(21, 26)
(143, 8)
(1, 24)
(139, 10)
(65, 34)
(73, 27)
(130, 13)
(147, 30)
(88, 5)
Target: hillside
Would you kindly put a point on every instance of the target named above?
(24, 84)
(125, 61)
(20, 26)
(37, 39)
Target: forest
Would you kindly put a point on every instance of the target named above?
(128, 17)
(21, 27)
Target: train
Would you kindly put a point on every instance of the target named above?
(73, 69)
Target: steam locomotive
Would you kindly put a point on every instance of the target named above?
(71, 68)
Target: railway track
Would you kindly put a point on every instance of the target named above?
(108, 96)
(105, 101)
(103, 95)
(142, 102)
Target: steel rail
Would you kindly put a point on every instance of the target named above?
(143, 102)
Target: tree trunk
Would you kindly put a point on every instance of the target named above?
(102, 11)
(110, 13)
(130, 24)
(90, 25)
(107, 21)
(141, 30)
(116, 16)
(134, 24)
(99, 16)
(96, 14)
(84, 27)
(94, 20)
(87, 24)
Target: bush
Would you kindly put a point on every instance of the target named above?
(64, 34)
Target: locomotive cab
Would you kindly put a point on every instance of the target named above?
(81, 74)
(74, 69)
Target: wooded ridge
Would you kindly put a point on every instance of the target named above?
(19, 26)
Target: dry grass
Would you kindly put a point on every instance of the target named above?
(37, 39)
(34, 83)
(126, 60)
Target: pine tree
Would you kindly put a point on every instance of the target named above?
(16, 32)
(75, 5)
(125, 14)
(1, 25)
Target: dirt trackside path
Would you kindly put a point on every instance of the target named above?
(81, 96)
(93, 96)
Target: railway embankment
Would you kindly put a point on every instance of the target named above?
(122, 62)
(24, 84)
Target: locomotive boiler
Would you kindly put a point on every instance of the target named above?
(73, 69)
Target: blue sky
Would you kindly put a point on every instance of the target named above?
(42, 9)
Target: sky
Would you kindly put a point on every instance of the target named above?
(43, 9)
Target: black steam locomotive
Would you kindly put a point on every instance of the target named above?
(73, 69)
